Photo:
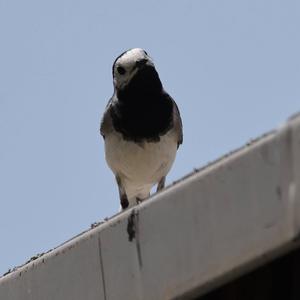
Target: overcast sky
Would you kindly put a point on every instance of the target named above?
(233, 68)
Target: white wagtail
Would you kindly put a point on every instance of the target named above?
(141, 127)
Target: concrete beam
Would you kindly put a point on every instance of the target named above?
(213, 225)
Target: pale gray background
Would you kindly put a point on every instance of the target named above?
(232, 66)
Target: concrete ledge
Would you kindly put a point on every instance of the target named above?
(211, 226)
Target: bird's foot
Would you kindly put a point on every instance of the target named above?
(124, 202)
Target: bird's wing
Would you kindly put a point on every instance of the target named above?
(106, 122)
(177, 123)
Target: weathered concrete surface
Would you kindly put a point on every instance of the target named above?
(209, 227)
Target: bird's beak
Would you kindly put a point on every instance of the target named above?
(140, 64)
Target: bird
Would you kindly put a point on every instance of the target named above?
(141, 127)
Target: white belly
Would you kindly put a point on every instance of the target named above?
(140, 166)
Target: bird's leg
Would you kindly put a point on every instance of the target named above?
(161, 184)
(122, 193)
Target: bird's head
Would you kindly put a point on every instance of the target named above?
(136, 68)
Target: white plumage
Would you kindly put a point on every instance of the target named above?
(140, 165)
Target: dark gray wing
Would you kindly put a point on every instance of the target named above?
(177, 123)
(106, 125)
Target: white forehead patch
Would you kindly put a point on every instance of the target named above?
(131, 56)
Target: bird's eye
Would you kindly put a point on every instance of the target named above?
(121, 70)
